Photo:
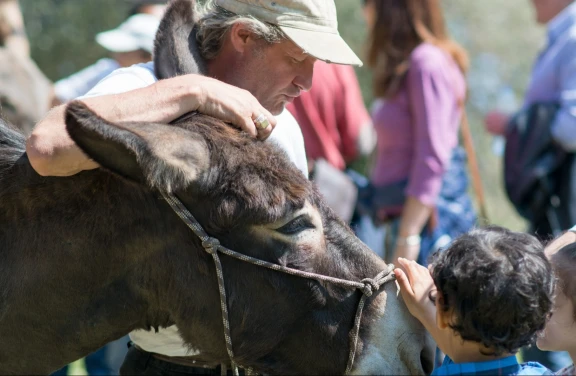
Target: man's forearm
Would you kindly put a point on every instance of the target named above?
(52, 152)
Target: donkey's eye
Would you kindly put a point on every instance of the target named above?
(296, 225)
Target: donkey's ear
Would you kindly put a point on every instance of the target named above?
(109, 145)
(164, 157)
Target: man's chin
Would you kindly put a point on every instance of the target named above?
(277, 109)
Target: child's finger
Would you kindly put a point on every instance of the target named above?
(403, 281)
(409, 268)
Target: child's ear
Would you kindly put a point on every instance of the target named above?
(443, 318)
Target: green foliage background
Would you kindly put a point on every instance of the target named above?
(501, 37)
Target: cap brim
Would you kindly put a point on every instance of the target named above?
(328, 47)
(118, 41)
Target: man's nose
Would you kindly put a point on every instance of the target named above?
(304, 79)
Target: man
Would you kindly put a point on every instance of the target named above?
(553, 80)
(260, 55)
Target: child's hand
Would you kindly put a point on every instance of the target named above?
(416, 284)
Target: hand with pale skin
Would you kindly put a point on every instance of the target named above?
(416, 286)
(235, 106)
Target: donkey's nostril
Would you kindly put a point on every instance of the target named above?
(427, 357)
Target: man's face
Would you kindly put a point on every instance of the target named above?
(275, 73)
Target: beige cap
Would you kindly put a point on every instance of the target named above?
(311, 24)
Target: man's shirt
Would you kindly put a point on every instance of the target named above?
(505, 366)
(81, 82)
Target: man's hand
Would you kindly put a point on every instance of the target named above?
(234, 105)
(416, 284)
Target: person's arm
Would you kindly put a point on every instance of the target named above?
(431, 104)
(416, 286)
(564, 125)
(53, 153)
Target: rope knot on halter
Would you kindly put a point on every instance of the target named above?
(370, 285)
(211, 245)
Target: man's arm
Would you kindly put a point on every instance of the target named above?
(52, 152)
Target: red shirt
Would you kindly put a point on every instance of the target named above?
(331, 114)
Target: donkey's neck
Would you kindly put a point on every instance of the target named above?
(83, 264)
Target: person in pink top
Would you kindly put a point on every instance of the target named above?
(419, 174)
(335, 123)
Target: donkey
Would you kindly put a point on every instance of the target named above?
(89, 258)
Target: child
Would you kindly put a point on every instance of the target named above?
(560, 331)
(493, 292)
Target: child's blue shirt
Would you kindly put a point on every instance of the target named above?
(505, 366)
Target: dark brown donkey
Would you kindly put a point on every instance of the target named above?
(87, 259)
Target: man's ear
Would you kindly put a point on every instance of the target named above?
(240, 37)
(109, 145)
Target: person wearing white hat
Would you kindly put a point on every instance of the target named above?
(130, 43)
(259, 56)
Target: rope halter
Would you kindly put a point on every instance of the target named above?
(212, 246)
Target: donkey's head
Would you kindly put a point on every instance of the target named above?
(248, 195)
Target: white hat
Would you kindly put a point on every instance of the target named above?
(136, 33)
(311, 24)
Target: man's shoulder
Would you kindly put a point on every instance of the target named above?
(125, 79)
(144, 71)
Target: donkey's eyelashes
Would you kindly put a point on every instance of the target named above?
(296, 225)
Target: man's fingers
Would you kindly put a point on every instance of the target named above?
(264, 122)
(248, 126)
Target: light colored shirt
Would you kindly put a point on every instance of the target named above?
(554, 76)
(81, 82)
(418, 128)
(286, 135)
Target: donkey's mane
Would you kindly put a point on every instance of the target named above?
(12, 143)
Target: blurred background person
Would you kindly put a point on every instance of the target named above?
(12, 32)
(419, 178)
(152, 7)
(337, 131)
(131, 43)
(25, 93)
(553, 79)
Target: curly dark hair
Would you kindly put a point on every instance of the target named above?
(564, 264)
(499, 286)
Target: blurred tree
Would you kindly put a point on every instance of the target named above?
(62, 32)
